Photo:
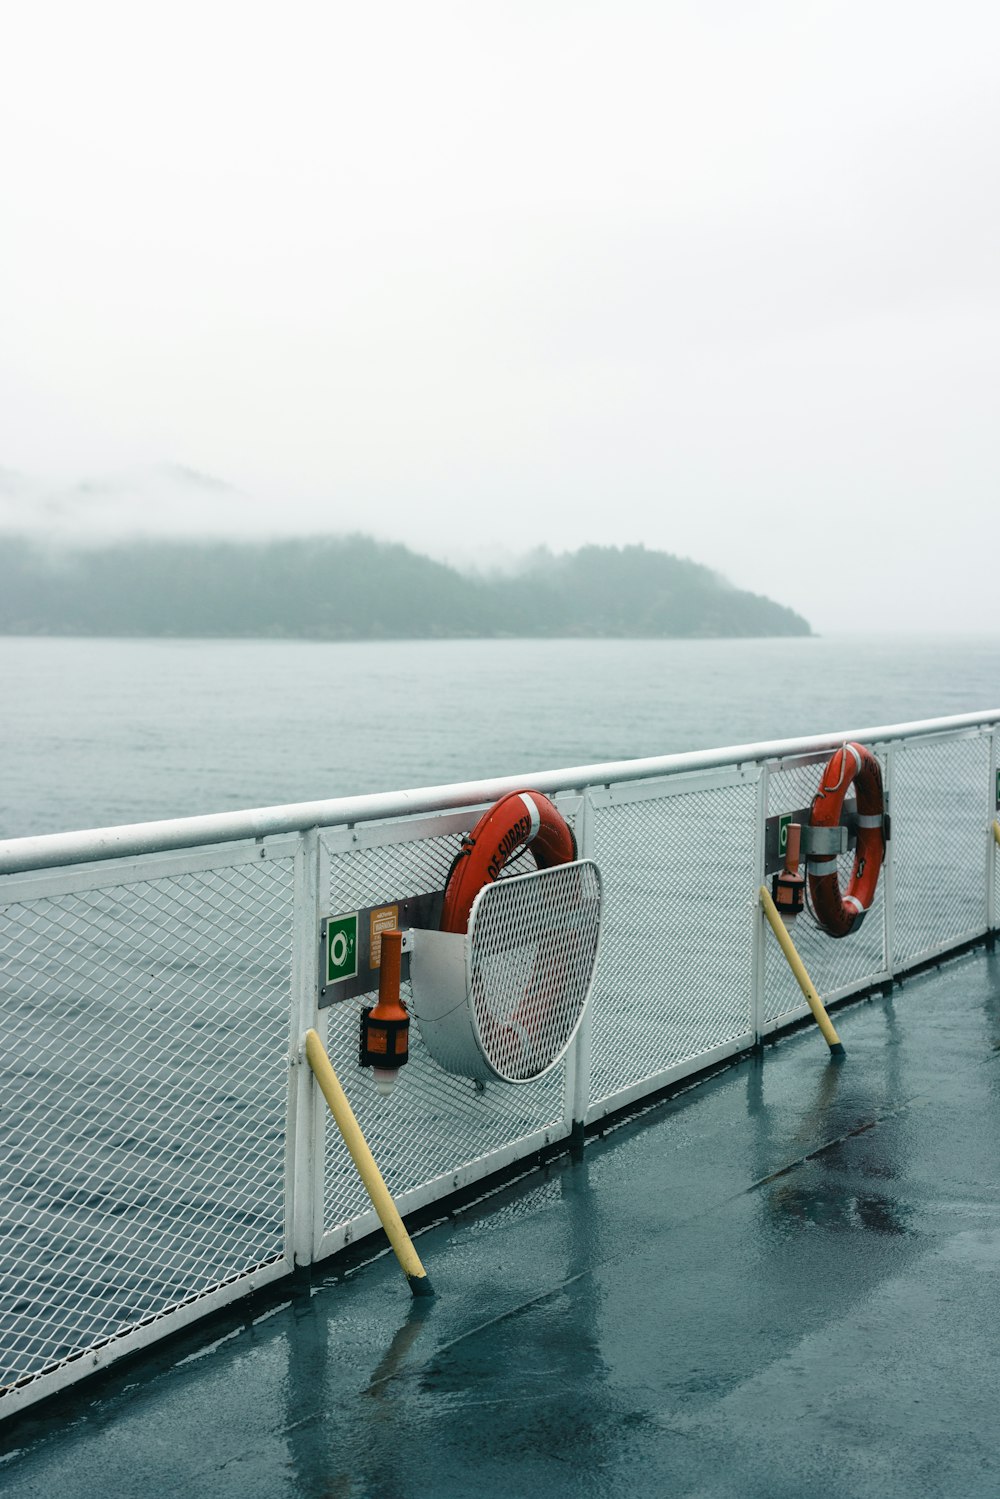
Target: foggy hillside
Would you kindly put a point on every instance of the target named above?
(356, 588)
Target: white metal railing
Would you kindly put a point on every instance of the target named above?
(166, 1151)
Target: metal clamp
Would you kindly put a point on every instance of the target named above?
(822, 842)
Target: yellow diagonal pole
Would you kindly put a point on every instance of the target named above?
(368, 1171)
(996, 830)
(797, 966)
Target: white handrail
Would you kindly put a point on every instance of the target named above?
(48, 850)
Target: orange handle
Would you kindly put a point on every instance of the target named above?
(792, 847)
(389, 1005)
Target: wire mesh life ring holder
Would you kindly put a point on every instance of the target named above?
(503, 1000)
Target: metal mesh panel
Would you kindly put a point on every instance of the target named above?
(377, 876)
(938, 796)
(833, 963)
(143, 1084)
(534, 941)
(674, 979)
(433, 1124)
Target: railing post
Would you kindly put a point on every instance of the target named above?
(579, 1056)
(888, 871)
(757, 951)
(304, 1135)
(991, 844)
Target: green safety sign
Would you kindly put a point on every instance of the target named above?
(998, 788)
(784, 823)
(341, 948)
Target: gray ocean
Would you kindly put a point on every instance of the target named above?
(99, 732)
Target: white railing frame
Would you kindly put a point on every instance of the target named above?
(83, 861)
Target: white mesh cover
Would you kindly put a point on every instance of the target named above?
(505, 1000)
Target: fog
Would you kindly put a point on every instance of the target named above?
(721, 279)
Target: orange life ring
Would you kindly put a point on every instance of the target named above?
(520, 819)
(837, 914)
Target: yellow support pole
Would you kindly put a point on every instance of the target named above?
(376, 1188)
(996, 830)
(797, 966)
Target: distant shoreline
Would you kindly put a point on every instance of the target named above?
(354, 588)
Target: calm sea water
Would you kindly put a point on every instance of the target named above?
(97, 732)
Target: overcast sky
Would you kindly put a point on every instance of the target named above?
(723, 278)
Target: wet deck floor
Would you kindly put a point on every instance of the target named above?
(783, 1283)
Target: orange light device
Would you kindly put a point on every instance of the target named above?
(788, 886)
(385, 1027)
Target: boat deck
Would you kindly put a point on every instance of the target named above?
(779, 1283)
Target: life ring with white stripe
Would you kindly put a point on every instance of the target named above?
(517, 821)
(838, 914)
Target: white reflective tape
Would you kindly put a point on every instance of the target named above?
(869, 819)
(826, 865)
(534, 814)
(843, 767)
(852, 900)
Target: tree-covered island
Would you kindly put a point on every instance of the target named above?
(357, 588)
